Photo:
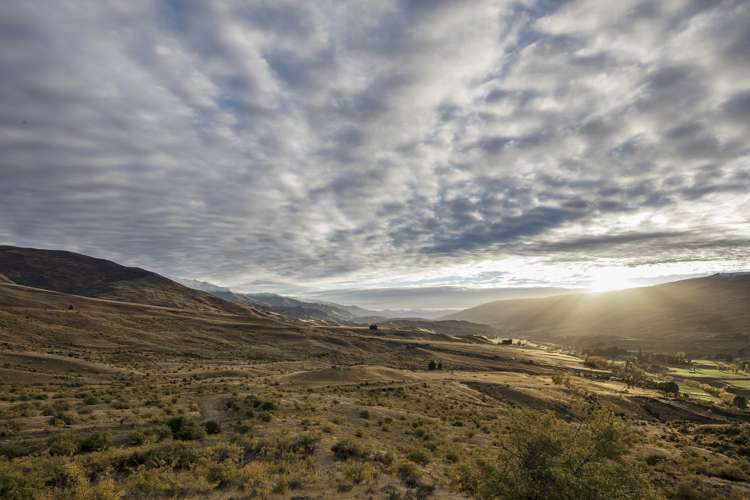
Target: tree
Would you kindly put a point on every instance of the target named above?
(373, 326)
(669, 388)
(432, 365)
(740, 402)
(545, 457)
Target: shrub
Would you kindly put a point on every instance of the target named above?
(348, 448)
(302, 445)
(65, 418)
(164, 483)
(176, 456)
(13, 449)
(8, 429)
(15, 485)
(62, 445)
(184, 429)
(358, 472)
(90, 400)
(655, 458)
(225, 476)
(137, 438)
(212, 427)
(418, 457)
(95, 442)
(545, 457)
(409, 474)
(69, 477)
(669, 388)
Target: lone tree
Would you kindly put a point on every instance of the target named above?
(373, 326)
(670, 388)
(432, 366)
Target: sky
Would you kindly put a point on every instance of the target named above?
(321, 146)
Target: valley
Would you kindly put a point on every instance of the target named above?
(106, 398)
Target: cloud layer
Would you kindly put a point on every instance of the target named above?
(287, 145)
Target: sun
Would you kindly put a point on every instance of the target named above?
(607, 280)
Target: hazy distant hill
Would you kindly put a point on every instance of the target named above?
(302, 309)
(711, 313)
(203, 286)
(288, 307)
(454, 328)
(430, 302)
(78, 274)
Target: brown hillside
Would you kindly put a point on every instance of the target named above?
(78, 274)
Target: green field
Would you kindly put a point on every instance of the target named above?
(708, 373)
(695, 392)
(715, 377)
(741, 384)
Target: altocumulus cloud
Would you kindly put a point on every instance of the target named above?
(334, 143)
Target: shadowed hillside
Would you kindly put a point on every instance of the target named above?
(78, 274)
(707, 314)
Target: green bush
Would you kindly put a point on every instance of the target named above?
(546, 457)
(348, 448)
(137, 438)
(418, 457)
(90, 400)
(184, 429)
(302, 445)
(212, 427)
(17, 485)
(13, 449)
(62, 445)
(95, 442)
(8, 429)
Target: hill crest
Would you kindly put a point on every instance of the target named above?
(78, 274)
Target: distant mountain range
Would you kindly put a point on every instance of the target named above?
(710, 314)
(431, 301)
(308, 310)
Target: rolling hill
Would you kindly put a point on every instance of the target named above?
(289, 307)
(77, 274)
(708, 314)
(308, 309)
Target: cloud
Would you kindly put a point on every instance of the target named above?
(321, 144)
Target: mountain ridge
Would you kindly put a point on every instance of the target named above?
(78, 274)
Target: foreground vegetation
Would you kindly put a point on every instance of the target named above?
(198, 431)
(538, 456)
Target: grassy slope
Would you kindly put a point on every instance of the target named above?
(73, 273)
(706, 315)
